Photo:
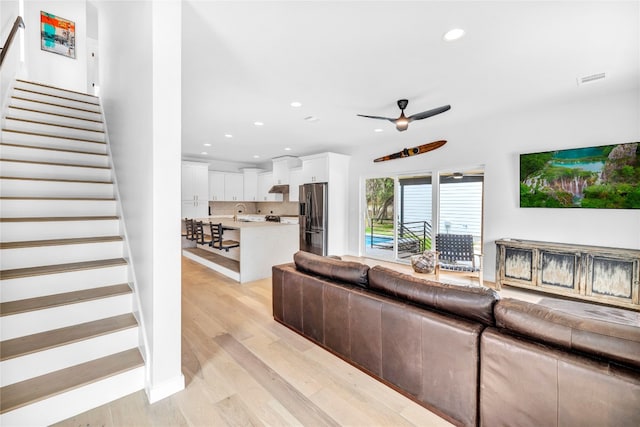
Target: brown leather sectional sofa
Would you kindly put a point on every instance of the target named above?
(463, 352)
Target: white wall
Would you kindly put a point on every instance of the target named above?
(140, 86)
(496, 141)
(51, 68)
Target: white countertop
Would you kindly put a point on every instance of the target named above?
(230, 223)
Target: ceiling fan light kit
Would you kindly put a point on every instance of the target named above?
(402, 122)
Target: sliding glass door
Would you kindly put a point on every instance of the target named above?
(405, 212)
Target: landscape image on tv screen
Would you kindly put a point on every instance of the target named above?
(605, 177)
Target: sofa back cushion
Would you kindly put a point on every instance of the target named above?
(335, 269)
(471, 302)
(608, 332)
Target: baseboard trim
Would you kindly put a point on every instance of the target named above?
(165, 389)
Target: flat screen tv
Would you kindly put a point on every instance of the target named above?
(603, 177)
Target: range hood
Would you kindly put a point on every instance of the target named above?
(280, 189)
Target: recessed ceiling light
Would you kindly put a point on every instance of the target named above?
(228, 135)
(258, 123)
(287, 149)
(377, 130)
(207, 145)
(453, 34)
(296, 104)
(204, 153)
(255, 156)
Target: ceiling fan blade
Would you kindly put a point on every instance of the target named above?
(425, 114)
(377, 117)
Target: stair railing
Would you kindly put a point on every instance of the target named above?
(19, 23)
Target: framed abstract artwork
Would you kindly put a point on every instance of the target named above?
(602, 177)
(57, 35)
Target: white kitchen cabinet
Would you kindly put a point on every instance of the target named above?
(250, 192)
(216, 186)
(265, 182)
(233, 187)
(315, 168)
(282, 167)
(295, 179)
(195, 189)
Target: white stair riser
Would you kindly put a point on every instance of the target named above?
(33, 322)
(34, 105)
(53, 142)
(47, 129)
(35, 170)
(54, 359)
(79, 105)
(54, 118)
(55, 91)
(82, 399)
(60, 254)
(52, 156)
(31, 188)
(24, 231)
(51, 284)
(30, 208)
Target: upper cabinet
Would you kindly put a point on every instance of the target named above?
(216, 186)
(265, 182)
(250, 184)
(282, 167)
(233, 187)
(315, 168)
(195, 189)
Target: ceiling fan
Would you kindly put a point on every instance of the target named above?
(402, 122)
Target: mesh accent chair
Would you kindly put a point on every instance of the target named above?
(218, 242)
(456, 253)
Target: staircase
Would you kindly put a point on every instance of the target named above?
(69, 338)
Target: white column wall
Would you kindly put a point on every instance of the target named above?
(140, 87)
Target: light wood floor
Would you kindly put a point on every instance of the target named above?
(244, 369)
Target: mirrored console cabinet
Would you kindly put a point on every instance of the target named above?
(601, 274)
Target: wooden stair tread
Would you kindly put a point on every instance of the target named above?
(55, 87)
(29, 344)
(34, 162)
(59, 242)
(59, 218)
(52, 124)
(56, 300)
(56, 96)
(55, 105)
(63, 150)
(80, 181)
(48, 135)
(54, 114)
(21, 394)
(60, 268)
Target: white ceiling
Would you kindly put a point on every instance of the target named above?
(247, 61)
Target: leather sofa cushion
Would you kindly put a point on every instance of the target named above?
(529, 384)
(471, 302)
(607, 332)
(344, 271)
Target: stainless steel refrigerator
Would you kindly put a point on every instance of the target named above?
(313, 218)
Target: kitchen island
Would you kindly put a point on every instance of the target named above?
(262, 245)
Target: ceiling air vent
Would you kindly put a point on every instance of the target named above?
(591, 78)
